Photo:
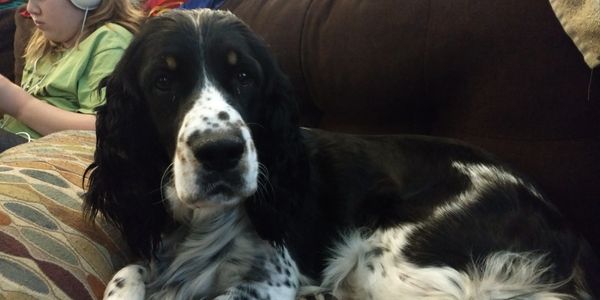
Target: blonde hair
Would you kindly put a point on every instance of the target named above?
(121, 12)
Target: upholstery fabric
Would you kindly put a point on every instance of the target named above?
(7, 29)
(500, 74)
(47, 249)
(581, 21)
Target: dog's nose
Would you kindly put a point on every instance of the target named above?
(221, 154)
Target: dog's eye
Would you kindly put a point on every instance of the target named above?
(244, 79)
(163, 82)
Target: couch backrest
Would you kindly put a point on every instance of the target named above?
(499, 74)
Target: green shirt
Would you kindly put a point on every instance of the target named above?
(70, 80)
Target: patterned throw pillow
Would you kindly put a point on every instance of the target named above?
(47, 249)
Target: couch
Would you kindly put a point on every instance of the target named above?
(500, 74)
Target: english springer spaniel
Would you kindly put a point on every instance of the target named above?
(202, 166)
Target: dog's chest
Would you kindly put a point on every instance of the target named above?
(206, 256)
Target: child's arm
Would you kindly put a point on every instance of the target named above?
(39, 115)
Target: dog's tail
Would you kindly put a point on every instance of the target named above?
(363, 269)
(510, 275)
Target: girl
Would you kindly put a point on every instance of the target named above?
(75, 45)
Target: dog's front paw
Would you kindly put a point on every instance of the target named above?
(127, 284)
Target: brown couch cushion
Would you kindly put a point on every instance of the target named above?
(7, 30)
(513, 82)
(500, 74)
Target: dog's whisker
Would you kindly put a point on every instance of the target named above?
(165, 180)
(265, 188)
(255, 124)
(261, 191)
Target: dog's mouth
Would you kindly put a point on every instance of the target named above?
(218, 193)
(214, 189)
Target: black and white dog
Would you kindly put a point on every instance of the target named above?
(201, 165)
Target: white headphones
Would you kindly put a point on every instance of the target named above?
(86, 4)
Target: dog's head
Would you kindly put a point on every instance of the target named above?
(193, 95)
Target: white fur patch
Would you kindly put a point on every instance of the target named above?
(127, 284)
(211, 113)
(482, 176)
(373, 267)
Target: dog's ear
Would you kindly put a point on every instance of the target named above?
(125, 177)
(278, 140)
(278, 112)
(280, 149)
(283, 115)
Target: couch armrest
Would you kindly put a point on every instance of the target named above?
(47, 249)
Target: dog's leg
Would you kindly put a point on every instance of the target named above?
(273, 277)
(127, 284)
